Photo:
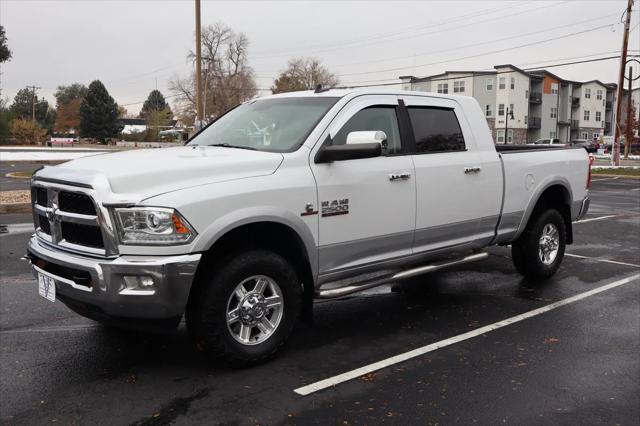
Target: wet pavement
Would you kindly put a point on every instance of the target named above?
(576, 364)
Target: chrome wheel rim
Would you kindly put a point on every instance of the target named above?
(254, 310)
(548, 244)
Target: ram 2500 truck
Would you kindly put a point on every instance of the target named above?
(290, 198)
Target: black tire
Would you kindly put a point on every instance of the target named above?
(525, 250)
(206, 314)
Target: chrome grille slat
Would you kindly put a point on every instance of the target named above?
(68, 218)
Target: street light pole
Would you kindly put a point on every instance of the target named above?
(198, 65)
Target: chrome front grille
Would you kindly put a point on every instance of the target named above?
(68, 218)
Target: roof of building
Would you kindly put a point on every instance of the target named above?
(513, 67)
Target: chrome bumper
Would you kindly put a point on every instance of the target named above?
(584, 208)
(96, 287)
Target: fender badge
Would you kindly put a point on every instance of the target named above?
(308, 210)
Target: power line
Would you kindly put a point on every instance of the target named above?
(484, 53)
(373, 40)
(481, 43)
(538, 68)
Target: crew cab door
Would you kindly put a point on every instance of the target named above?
(367, 206)
(459, 188)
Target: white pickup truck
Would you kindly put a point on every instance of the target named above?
(290, 198)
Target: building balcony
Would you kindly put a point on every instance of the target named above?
(575, 102)
(575, 124)
(535, 98)
(608, 105)
(534, 122)
(564, 121)
(607, 126)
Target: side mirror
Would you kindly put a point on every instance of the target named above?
(366, 144)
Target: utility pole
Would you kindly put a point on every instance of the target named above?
(198, 65)
(623, 62)
(33, 102)
(629, 129)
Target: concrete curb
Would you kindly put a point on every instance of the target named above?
(15, 208)
(597, 175)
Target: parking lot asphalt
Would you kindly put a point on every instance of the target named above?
(575, 364)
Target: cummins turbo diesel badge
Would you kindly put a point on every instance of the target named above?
(335, 207)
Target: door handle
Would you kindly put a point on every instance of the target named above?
(474, 169)
(399, 176)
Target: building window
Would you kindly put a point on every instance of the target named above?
(598, 116)
(489, 84)
(587, 93)
(502, 83)
(500, 136)
(487, 110)
(511, 110)
(525, 119)
(554, 112)
(596, 135)
(598, 94)
(585, 135)
(443, 87)
(526, 94)
(513, 83)
(510, 136)
(500, 109)
(458, 86)
(586, 115)
(554, 88)
(552, 135)
(602, 124)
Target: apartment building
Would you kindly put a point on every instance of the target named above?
(522, 106)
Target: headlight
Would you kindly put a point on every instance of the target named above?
(152, 225)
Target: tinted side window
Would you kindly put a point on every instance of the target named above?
(373, 118)
(436, 129)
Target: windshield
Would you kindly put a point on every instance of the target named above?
(276, 125)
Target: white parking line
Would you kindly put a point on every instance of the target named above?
(49, 329)
(358, 372)
(597, 259)
(18, 228)
(593, 219)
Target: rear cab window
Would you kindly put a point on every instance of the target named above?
(436, 129)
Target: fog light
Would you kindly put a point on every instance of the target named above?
(138, 283)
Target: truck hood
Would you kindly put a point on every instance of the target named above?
(149, 172)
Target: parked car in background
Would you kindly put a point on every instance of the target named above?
(589, 146)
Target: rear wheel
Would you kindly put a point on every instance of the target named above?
(538, 252)
(247, 308)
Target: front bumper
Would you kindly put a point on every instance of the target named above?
(96, 287)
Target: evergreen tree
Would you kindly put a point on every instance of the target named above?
(5, 53)
(99, 114)
(22, 106)
(155, 102)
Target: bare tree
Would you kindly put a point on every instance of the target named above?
(227, 81)
(304, 74)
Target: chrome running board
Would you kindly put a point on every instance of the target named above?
(350, 289)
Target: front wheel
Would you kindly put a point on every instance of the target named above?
(247, 308)
(538, 252)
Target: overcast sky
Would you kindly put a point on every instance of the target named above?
(130, 44)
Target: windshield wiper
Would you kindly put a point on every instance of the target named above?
(226, 145)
